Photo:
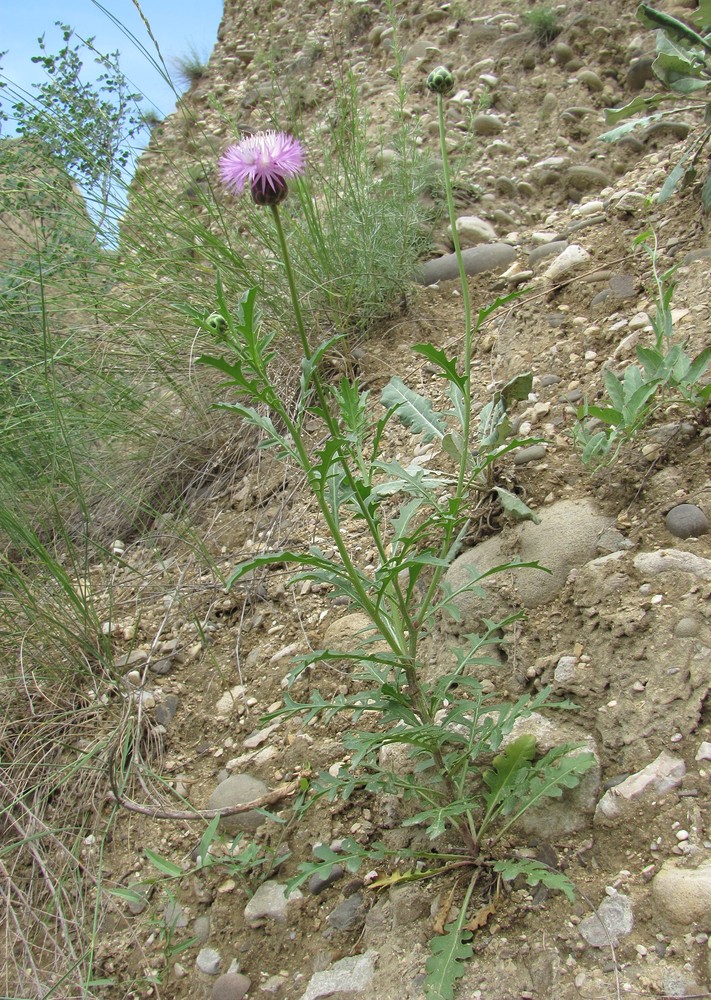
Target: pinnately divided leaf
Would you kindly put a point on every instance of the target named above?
(448, 953)
(413, 410)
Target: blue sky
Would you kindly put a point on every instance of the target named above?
(178, 26)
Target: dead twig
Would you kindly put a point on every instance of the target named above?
(282, 792)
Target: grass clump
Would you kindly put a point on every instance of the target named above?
(190, 67)
(543, 23)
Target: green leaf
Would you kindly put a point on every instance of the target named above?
(206, 840)
(639, 103)
(413, 410)
(676, 174)
(698, 366)
(702, 16)
(164, 866)
(505, 767)
(673, 28)
(706, 189)
(515, 506)
(448, 953)
(614, 389)
(535, 873)
(517, 388)
(312, 558)
(448, 366)
(607, 414)
(130, 895)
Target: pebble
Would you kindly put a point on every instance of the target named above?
(208, 961)
(229, 701)
(231, 986)
(532, 454)
(236, 790)
(269, 903)
(165, 712)
(569, 261)
(686, 520)
(590, 80)
(662, 775)
(174, 915)
(318, 883)
(483, 124)
(546, 250)
(687, 628)
(477, 260)
(201, 928)
(672, 560)
(473, 230)
(586, 178)
(613, 919)
(349, 975)
(704, 751)
(683, 894)
(348, 914)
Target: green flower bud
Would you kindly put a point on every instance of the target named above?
(440, 80)
(217, 323)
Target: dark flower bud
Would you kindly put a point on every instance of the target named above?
(440, 80)
(265, 192)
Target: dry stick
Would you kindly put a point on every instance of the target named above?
(282, 792)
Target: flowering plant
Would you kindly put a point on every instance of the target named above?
(454, 730)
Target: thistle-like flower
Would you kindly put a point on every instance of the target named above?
(440, 80)
(265, 159)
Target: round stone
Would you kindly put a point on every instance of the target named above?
(231, 986)
(235, 791)
(534, 453)
(208, 961)
(686, 521)
(687, 628)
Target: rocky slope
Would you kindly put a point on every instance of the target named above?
(622, 625)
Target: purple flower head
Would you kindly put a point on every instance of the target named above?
(265, 160)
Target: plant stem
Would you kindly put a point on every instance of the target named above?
(468, 326)
(394, 639)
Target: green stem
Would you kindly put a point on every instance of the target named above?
(395, 640)
(468, 326)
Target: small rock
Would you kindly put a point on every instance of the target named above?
(687, 628)
(672, 560)
(686, 520)
(534, 453)
(348, 914)
(684, 894)
(208, 961)
(269, 903)
(165, 712)
(586, 178)
(174, 915)
(704, 751)
(614, 919)
(572, 259)
(547, 250)
(591, 80)
(128, 660)
(234, 791)
(350, 975)
(318, 883)
(231, 986)
(473, 230)
(228, 702)
(477, 260)
(201, 928)
(661, 776)
(483, 124)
